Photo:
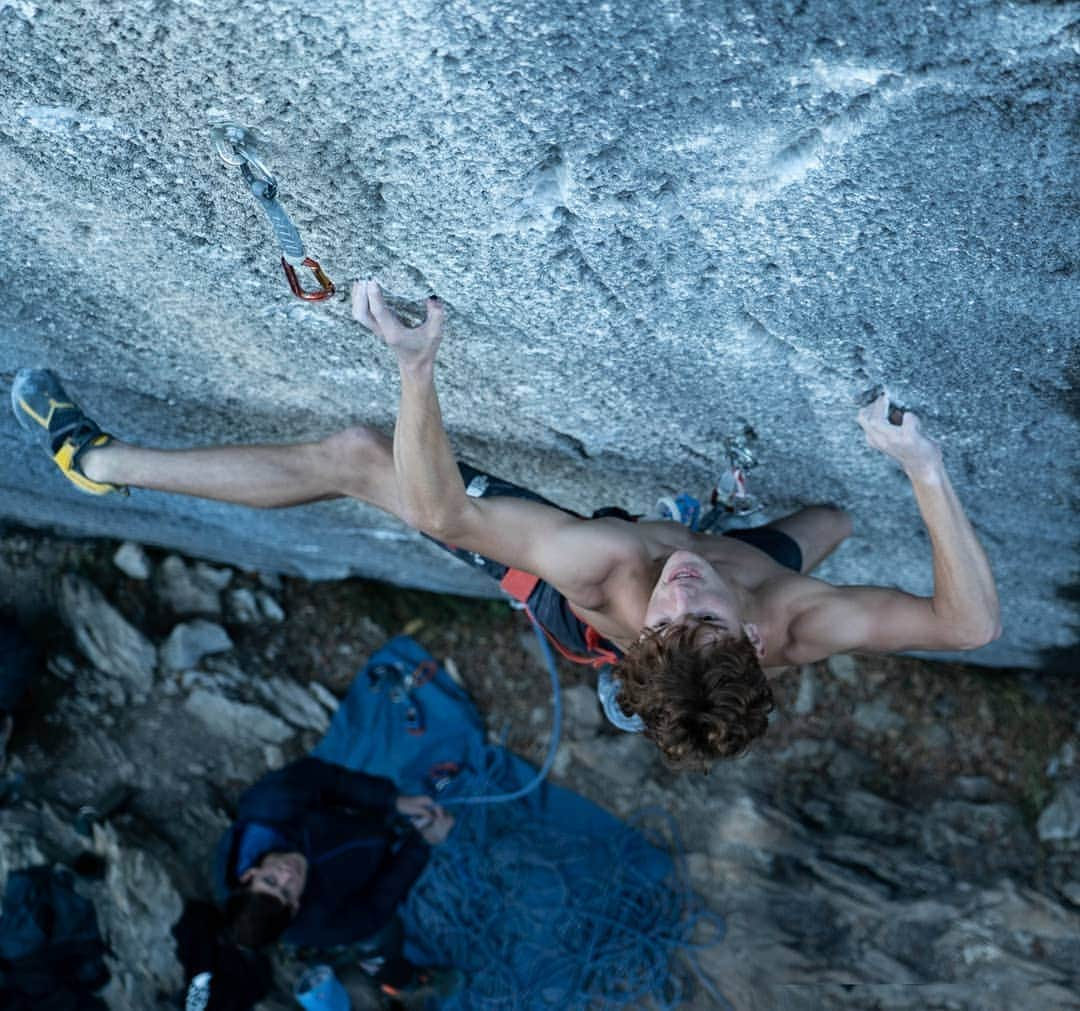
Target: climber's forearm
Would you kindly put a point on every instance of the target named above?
(965, 595)
(432, 493)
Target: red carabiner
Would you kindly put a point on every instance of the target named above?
(326, 285)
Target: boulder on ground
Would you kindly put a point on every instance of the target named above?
(104, 636)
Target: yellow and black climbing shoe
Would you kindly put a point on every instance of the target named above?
(58, 424)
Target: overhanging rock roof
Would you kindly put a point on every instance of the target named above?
(653, 224)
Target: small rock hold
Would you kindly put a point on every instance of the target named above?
(807, 697)
(242, 607)
(132, 560)
(1060, 821)
(188, 591)
(190, 642)
(1071, 891)
(843, 668)
(270, 608)
(876, 717)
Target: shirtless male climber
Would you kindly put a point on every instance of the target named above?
(689, 620)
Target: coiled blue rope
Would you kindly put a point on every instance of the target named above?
(542, 916)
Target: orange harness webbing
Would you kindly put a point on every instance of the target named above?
(520, 585)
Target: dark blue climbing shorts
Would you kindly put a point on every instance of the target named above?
(780, 547)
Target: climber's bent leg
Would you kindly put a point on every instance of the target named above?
(818, 531)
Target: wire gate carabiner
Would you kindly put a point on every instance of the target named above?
(238, 146)
(731, 497)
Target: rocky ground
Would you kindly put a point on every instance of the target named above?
(903, 823)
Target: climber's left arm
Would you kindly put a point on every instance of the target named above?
(962, 614)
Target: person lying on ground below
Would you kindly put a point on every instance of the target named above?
(690, 621)
(321, 857)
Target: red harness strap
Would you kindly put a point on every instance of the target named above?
(520, 585)
(601, 654)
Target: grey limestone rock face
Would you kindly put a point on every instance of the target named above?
(194, 589)
(237, 721)
(581, 712)
(106, 639)
(189, 642)
(131, 559)
(652, 226)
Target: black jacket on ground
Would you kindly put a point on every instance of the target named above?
(359, 868)
(239, 978)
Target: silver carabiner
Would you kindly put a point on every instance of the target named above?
(238, 146)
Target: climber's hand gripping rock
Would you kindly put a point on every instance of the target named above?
(412, 345)
(903, 441)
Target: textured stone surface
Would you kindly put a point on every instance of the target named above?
(852, 870)
(294, 704)
(1061, 819)
(651, 223)
(106, 639)
(189, 642)
(236, 721)
(194, 589)
(581, 713)
(131, 560)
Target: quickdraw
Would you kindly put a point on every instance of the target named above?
(731, 497)
(238, 146)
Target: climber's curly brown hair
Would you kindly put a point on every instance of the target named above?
(701, 697)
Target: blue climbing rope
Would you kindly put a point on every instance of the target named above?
(542, 916)
(553, 746)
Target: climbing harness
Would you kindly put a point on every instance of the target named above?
(238, 146)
